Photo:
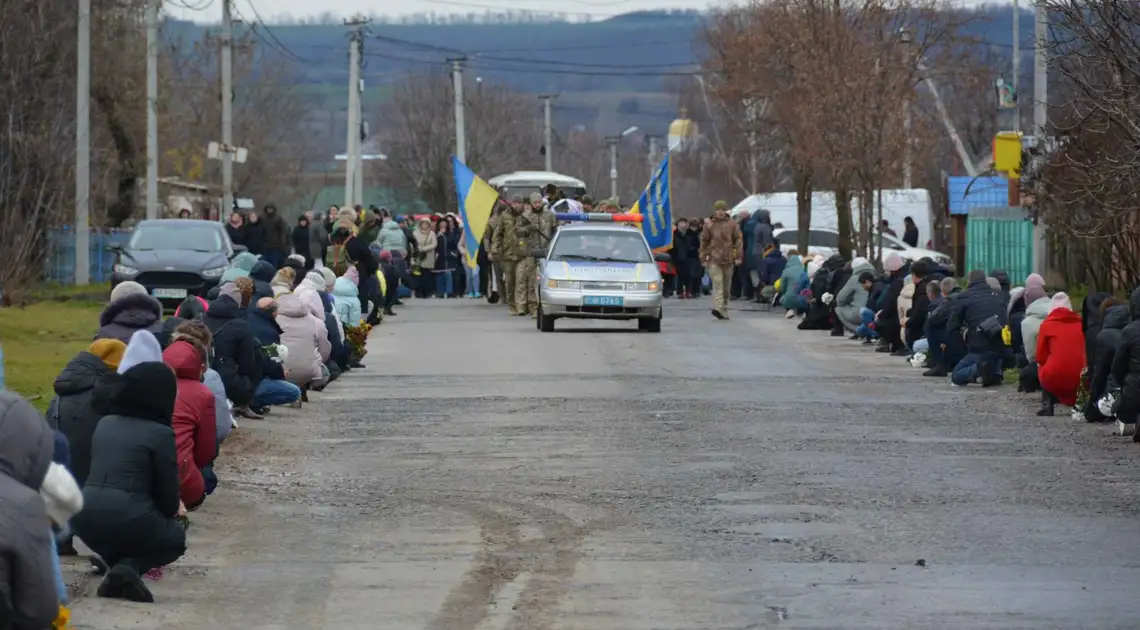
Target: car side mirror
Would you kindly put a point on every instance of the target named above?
(662, 257)
(238, 249)
(538, 253)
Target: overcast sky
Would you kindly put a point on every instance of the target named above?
(269, 9)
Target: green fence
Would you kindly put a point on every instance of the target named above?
(999, 238)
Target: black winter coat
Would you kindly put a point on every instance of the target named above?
(127, 314)
(255, 237)
(921, 306)
(301, 241)
(235, 353)
(339, 352)
(265, 331)
(686, 248)
(939, 317)
(1126, 359)
(1091, 319)
(1104, 348)
(84, 380)
(276, 232)
(978, 303)
(237, 234)
(132, 491)
(889, 304)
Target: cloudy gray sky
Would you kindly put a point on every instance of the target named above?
(210, 10)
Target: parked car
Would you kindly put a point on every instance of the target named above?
(826, 243)
(174, 258)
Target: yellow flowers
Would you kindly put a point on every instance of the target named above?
(1007, 336)
(62, 620)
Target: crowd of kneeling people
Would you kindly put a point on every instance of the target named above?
(917, 310)
(128, 445)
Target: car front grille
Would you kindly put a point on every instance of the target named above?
(170, 280)
(603, 286)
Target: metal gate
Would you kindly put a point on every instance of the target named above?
(999, 238)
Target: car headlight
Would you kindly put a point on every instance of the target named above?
(124, 270)
(216, 272)
(642, 286)
(563, 284)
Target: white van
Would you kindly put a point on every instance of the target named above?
(897, 205)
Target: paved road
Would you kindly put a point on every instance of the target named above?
(721, 475)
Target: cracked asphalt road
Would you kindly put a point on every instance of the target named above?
(732, 475)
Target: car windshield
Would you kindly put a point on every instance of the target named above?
(203, 238)
(608, 246)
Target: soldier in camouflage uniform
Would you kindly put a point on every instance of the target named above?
(537, 224)
(496, 270)
(507, 249)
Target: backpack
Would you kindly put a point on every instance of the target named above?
(338, 259)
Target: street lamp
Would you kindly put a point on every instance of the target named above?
(613, 142)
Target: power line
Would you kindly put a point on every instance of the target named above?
(475, 5)
(258, 26)
(183, 4)
(606, 70)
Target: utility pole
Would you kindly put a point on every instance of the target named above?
(652, 156)
(227, 110)
(358, 184)
(906, 39)
(1016, 65)
(612, 141)
(460, 133)
(1040, 119)
(152, 108)
(351, 163)
(548, 132)
(83, 146)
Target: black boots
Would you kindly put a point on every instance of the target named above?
(1047, 402)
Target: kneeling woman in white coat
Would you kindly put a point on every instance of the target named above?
(307, 340)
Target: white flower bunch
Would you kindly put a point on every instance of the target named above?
(918, 359)
(827, 298)
(1077, 415)
(1105, 404)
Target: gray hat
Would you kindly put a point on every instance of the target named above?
(976, 275)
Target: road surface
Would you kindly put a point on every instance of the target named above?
(480, 475)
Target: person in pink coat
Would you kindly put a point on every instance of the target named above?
(306, 338)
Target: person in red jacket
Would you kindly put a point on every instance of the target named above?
(195, 431)
(1060, 355)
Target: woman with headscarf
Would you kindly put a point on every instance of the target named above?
(131, 498)
(193, 420)
(235, 228)
(1060, 355)
(426, 243)
(130, 309)
(793, 280)
(1018, 303)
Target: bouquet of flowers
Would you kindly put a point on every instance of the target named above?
(1078, 412)
(918, 360)
(277, 352)
(356, 337)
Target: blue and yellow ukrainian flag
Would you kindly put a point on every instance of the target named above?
(656, 209)
(476, 200)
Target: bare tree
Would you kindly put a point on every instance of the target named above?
(418, 134)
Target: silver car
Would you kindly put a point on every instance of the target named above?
(599, 271)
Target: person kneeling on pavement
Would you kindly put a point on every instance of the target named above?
(306, 338)
(945, 349)
(131, 499)
(887, 318)
(1039, 306)
(981, 311)
(194, 422)
(1060, 355)
(1101, 383)
(235, 357)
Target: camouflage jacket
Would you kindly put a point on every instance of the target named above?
(507, 243)
(536, 228)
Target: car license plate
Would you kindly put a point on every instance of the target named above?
(603, 300)
(170, 294)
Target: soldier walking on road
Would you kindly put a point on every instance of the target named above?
(494, 291)
(507, 249)
(722, 248)
(536, 225)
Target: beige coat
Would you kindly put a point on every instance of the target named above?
(906, 300)
(306, 338)
(426, 243)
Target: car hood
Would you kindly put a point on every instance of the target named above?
(917, 253)
(601, 271)
(173, 260)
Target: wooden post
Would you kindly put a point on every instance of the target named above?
(1014, 194)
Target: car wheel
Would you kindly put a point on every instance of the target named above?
(650, 325)
(545, 322)
(538, 320)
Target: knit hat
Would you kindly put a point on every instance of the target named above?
(720, 205)
(330, 277)
(993, 283)
(535, 198)
(1061, 300)
(123, 289)
(894, 262)
(1034, 280)
(315, 280)
(297, 258)
(109, 351)
(230, 290)
(353, 275)
(976, 275)
(1032, 294)
(143, 348)
(860, 262)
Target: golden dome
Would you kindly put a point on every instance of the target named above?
(683, 127)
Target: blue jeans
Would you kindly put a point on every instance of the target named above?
(60, 587)
(443, 282)
(868, 318)
(970, 367)
(922, 345)
(472, 279)
(271, 392)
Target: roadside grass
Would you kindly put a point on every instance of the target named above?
(39, 339)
